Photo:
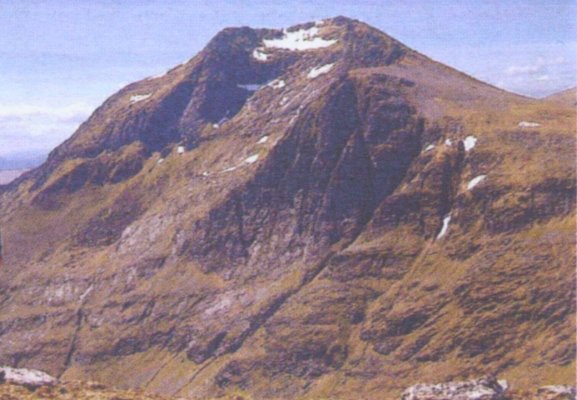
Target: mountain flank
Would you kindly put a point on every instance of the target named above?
(314, 212)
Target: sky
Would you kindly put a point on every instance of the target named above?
(60, 59)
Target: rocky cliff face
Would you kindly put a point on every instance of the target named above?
(313, 212)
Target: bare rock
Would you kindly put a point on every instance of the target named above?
(487, 388)
(556, 392)
(30, 378)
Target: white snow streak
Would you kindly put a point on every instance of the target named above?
(260, 55)
(318, 71)
(180, 149)
(475, 181)
(303, 39)
(262, 140)
(449, 142)
(252, 159)
(445, 227)
(277, 84)
(470, 142)
(139, 97)
(86, 293)
(527, 124)
(251, 87)
(430, 147)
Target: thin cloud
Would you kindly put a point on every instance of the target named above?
(544, 75)
(29, 127)
(540, 66)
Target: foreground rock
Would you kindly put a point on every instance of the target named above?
(556, 392)
(26, 377)
(480, 389)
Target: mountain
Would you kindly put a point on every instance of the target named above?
(315, 212)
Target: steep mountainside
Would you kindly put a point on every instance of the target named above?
(318, 212)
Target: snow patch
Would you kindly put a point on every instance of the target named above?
(303, 39)
(252, 159)
(215, 126)
(221, 304)
(86, 293)
(445, 227)
(527, 124)
(263, 140)
(160, 161)
(430, 147)
(259, 54)
(27, 377)
(139, 97)
(449, 142)
(229, 169)
(180, 149)
(318, 71)
(470, 142)
(475, 181)
(251, 87)
(205, 173)
(277, 84)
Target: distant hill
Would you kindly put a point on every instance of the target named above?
(567, 97)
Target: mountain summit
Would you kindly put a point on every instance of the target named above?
(314, 212)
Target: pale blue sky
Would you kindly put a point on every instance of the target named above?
(60, 59)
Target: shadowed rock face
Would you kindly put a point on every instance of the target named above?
(243, 224)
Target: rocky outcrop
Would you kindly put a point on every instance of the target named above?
(478, 389)
(29, 378)
(556, 392)
(488, 388)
